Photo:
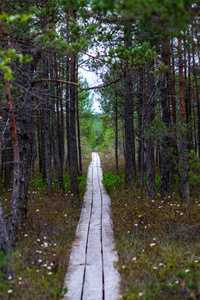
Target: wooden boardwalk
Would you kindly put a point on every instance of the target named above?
(91, 274)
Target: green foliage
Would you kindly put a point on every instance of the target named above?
(112, 181)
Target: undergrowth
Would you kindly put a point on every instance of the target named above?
(157, 241)
(44, 242)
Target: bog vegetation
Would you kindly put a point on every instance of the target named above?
(147, 57)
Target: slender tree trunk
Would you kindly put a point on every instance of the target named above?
(130, 169)
(73, 144)
(78, 126)
(183, 142)
(5, 246)
(46, 130)
(67, 100)
(197, 99)
(141, 98)
(166, 119)
(54, 129)
(150, 165)
(116, 129)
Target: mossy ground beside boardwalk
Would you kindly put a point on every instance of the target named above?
(44, 243)
(158, 242)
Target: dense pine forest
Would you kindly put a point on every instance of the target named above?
(146, 55)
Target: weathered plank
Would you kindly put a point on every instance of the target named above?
(91, 273)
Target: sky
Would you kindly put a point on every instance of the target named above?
(93, 80)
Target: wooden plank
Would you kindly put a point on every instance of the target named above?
(85, 268)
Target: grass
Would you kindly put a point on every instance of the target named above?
(44, 243)
(157, 242)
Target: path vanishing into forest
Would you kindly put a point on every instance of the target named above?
(91, 274)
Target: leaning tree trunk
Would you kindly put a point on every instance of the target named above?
(73, 170)
(130, 169)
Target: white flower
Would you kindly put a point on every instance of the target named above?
(186, 271)
(9, 291)
(123, 267)
(160, 264)
(136, 225)
(37, 270)
(45, 237)
(50, 273)
(153, 244)
(20, 278)
(10, 277)
(154, 239)
(152, 200)
(38, 240)
(181, 214)
(51, 264)
(44, 265)
(65, 215)
(55, 244)
(176, 281)
(140, 294)
(155, 268)
(139, 216)
(25, 235)
(37, 210)
(45, 244)
(39, 260)
(49, 268)
(134, 258)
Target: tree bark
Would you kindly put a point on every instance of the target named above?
(73, 144)
(54, 129)
(47, 142)
(130, 169)
(150, 165)
(165, 162)
(183, 142)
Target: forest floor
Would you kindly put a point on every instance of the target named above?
(44, 244)
(158, 242)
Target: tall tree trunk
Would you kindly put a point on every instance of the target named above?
(141, 102)
(78, 126)
(67, 99)
(197, 99)
(5, 246)
(116, 129)
(46, 129)
(130, 169)
(165, 162)
(150, 165)
(183, 142)
(73, 145)
(54, 129)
